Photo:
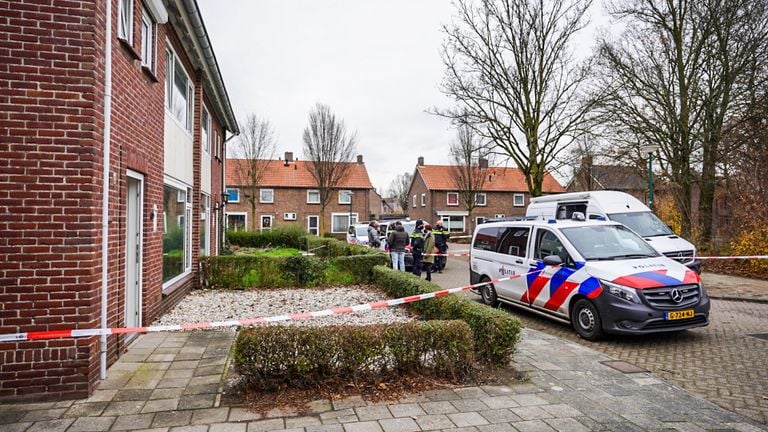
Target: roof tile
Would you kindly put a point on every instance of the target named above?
(502, 179)
(296, 174)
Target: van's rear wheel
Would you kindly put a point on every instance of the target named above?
(586, 320)
(488, 292)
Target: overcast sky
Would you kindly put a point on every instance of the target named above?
(375, 63)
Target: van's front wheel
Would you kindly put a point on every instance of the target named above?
(586, 320)
(488, 293)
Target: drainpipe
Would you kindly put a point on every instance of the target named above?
(105, 187)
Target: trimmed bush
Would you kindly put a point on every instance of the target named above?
(271, 356)
(290, 235)
(328, 247)
(496, 332)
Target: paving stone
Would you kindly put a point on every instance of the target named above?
(228, 427)
(44, 414)
(470, 392)
(441, 395)
(325, 428)
(497, 390)
(133, 422)
(123, 408)
(15, 427)
(172, 418)
(91, 424)
(367, 413)
(467, 419)
(499, 427)
(86, 409)
(242, 414)
(209, 370)
(64, 404)
(531, 413)
(189, 429)
(533, 426)
(349, 402)
(173, 383)
(399, 425)
(210, 415)
(184, 364)
(133, 395)
(566, 425)
(59, 425)
(201, 389)
(562, 410)
(469, 405)
(499, 402)
(439, 407)
(203, 380)
(197, 401)
(500, 415)
(179, 373)
(301, 422)
(528, 400)
(266, 425)
(167, 393)
(434, 421)
(160, 405)
(282, 412)
(7, 417)
(406, 410)
(366, 426)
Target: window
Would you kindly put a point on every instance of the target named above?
(414, 201)
(205, 216)
(423, 200)
(480, 198)
(453, 223)
(453, 199)
(486, 239)
(125, 21)
(514, 241)
(518, 200)
(177, 233)
(313, 196)
(345, 197)
(217, 144)
(340, 222)
(266, 223)
(237, 221)
(179, 92)
(266, 196)
(205, 132)
(147, 40)
(233, 195)
(313, 224)
(548, 244)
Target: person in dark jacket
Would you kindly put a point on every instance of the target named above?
(397, 240)
(441, 235)
(429, 246)
(417, 246)
(373, 235)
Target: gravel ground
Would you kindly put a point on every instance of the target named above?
(212, 305)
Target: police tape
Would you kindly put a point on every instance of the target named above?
(58, 334)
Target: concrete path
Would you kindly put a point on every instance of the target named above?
(170, 383)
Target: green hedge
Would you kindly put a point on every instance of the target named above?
(244, 271)
(328, 247)
(272, 356)
(290, 235)
(496, 332)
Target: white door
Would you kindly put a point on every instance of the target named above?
(313, 224)
(133, 251)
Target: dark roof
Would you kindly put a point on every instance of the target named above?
(610, 177)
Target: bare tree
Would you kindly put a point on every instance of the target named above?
(469, 169)
(255, 147)
(399, 189)
(510, 69)
(329, 149)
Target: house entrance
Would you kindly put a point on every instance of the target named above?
(133, 250)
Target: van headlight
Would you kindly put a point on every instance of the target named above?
(621, 291)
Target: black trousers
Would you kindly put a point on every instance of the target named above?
(428, 268)
(440, 260)
(417, 257)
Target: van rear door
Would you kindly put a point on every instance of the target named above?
(511, 250)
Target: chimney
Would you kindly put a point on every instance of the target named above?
(360, 159)
(288, 158)
(482, 163)
(586, 160)
(421, 160)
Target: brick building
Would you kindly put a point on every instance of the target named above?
(434, 195)
(132, 85)
(288, 194)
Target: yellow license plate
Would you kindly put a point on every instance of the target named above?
(676, 315)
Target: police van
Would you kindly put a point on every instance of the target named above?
(598, 276)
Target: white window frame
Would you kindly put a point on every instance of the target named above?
(343, 230)
(447, 223)
(515, 197)
(347, 194)
(245, 219)
(238, 195)
(414, 201)
(423, 200)
(205, 131)
(125, 21)
(205, 218)
(448, 199)
(172, 60)
(477, 200)
(309, 227)
(148, 40)
(187, 228)
(261, 196)
(311, 191)
(271, 222)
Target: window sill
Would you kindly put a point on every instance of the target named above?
(149, 73)
(176, 283)
(129, 47)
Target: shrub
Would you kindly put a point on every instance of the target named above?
(495, 332)
(271, 356)
(290, 235)
(328, 247)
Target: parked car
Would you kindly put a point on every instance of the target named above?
(620, 207)
(599, 276)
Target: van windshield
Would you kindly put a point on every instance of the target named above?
(645, 224)
(608, 242)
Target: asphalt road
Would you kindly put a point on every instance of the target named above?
(726, 362)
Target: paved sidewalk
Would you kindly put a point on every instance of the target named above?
(170, 383)
(727, 287)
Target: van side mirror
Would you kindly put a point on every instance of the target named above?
(553, 260)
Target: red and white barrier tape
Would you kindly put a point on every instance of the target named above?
(55, 334)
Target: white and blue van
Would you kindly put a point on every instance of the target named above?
(619, 207)
(598, 276)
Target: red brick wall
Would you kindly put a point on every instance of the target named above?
(294, 200)
(50, 178)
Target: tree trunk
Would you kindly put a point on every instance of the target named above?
(707, 193)
(254, 219)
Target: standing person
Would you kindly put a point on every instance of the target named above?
(429, 246)
(441, 235)
(373, 235)
(397, 240)
(417, 246)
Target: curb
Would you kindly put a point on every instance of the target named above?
(750, 299)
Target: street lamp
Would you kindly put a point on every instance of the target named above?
(650, 149)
